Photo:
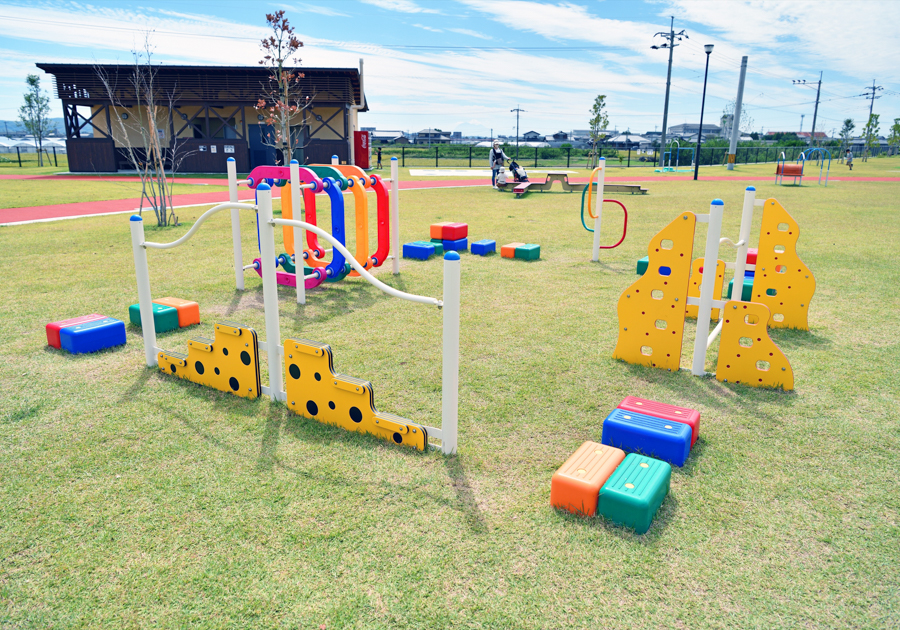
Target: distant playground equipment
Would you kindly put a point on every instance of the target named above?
(333, 179)
(652, 311)
(562, 177)
(230, 361)
(668, 156)
(600, 173)
(783, 169)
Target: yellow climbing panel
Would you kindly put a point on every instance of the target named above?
(782, 282)
(229, 362)
(315, 391)
(746, 352)
(651, 311)
(694, 287)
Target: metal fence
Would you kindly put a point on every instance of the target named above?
(22, 159)
(450, 155)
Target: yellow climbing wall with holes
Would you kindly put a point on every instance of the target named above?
(746, 353)
(315, 391)
(652, 310)
(229, 362)
(694, 287)
(782, 282)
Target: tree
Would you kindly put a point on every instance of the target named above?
(142, 130)
(846, 134)
(598, 122)
(894, 138)
(34, 114)
(870, 134)
(283, 97)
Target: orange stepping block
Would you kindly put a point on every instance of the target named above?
(188, 312)
(509, 251)
(576, 485)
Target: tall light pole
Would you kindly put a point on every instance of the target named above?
(670, 38)
(708, 48)
(517, 110)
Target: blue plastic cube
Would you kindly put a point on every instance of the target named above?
(484, 246)
(418, 251)
(93, 336)
(460, 245)
(639, 433)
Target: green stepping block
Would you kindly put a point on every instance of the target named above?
(438, 245)
(165, 318)
(642, 265)
(747, 293)
(528, 252)
(633, 493)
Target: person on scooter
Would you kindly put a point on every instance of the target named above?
(497, 159)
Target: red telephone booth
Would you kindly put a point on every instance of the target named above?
(362, 148)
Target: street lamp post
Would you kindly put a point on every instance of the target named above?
(708, 48)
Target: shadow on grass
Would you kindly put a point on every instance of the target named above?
(465, 497)
(794, 338)
(650, 538)
(138, 386)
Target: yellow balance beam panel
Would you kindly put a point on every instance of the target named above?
(315, 391)
(651, 311)
(694, 287)
(782, 281)
(746, 352)
(229, 362)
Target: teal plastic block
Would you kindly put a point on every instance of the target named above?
(642, 265)
(165, 318)
(747, 293)
(633, 493)
(528, 252)
(438, 246)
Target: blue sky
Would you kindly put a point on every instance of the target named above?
(464, 64)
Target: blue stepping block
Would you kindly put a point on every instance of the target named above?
(418, 251)
(484, 246)
(639, 433)
(93, 336)
(460, 245)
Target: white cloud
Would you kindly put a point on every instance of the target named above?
(470, 33)
(428, 28)
(400, 6)
(301, 7)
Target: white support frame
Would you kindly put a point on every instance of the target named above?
(601, 177)
(272, 346)
(707, 300)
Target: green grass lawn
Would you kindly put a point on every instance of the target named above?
(133, 499)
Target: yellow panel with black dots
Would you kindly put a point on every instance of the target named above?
(229, 362)
(652, 310)
(746, 352)
(694, 287)
(315, 391)
(782, 282)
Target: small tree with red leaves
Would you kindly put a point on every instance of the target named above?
(283, 101)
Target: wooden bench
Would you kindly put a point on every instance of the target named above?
(789, 170)
(521, 188)
(634, 189)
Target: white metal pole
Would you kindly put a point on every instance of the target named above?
(736, 122)
(395, 214)
(296, 193)
(270, 287)
(148, 327)
(601, 176)
(707, 285)
(335, 160)
(450, 379)
(235, 225)
(737, 288)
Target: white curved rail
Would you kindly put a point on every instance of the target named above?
(356, 266)
(199, 222)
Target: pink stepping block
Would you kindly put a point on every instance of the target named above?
(690, 417)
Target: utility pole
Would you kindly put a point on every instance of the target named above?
(670, 38)
(871, 97)
(517, 110)
(736, 116)
(812, 136)
(802, 116)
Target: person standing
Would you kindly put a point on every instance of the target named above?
(849, 159)
(497, 159)
(378, 153)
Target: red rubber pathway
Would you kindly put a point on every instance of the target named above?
(11, 216)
